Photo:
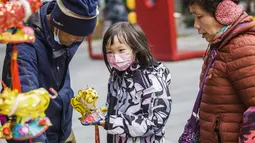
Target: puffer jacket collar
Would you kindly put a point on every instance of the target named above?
(247, 25)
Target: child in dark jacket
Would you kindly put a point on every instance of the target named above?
(138, 101)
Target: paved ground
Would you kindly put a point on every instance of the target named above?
(87, 72)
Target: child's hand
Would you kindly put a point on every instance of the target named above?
(102, 123)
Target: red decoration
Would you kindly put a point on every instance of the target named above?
(42, 122)
(89, 119)
(15, 70)
(12, 13)
(35, 5)
(97, 136)
(7, 131)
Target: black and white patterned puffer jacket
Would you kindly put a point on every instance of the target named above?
(139, 105)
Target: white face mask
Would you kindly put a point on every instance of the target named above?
(56, 37)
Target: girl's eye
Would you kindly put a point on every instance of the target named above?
(199, 17)
(122, 50)
(108, 52)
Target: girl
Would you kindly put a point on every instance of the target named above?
(138, 101)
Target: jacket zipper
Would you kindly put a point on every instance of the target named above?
(217, 129)
(63, 81)
(68, 52)
(66, 68)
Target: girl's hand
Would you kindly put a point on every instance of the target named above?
(102, 123)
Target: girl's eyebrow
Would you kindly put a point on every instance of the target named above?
(121, 47)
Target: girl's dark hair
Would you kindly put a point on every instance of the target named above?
(208, 5)
(132, 35)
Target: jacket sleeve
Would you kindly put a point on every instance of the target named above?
(156, 99)
(27, 63)
(241, 68)
(107, 105)
(66, 92)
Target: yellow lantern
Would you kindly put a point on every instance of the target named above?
(132, 17)
(130, 4)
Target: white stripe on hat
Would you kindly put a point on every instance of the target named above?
(70, 13)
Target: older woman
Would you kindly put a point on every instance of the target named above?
(229, 86)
